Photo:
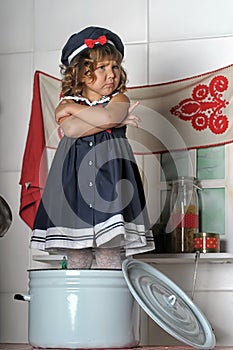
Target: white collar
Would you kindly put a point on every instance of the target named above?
(84, 99)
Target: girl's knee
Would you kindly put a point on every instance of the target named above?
(108, 258)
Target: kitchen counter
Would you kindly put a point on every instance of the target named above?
(28, 347)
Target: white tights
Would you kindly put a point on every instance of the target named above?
(106, 258)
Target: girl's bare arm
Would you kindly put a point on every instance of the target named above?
(80, 120)
(131, 119)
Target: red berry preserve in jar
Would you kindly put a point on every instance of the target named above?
(184, 214)
(207, 242)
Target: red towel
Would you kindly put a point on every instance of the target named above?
(34, 167)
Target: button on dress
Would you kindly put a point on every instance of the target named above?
(94, 195)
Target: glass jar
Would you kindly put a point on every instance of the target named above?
(207, 242)
(184, 218)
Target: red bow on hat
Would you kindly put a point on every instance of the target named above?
(91, 42)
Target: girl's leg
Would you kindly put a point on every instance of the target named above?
(77, 258)
(108, 258)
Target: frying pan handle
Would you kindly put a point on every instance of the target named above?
(22, 297)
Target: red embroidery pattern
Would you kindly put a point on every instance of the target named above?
(204, 108)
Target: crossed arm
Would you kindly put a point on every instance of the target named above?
(79, 120)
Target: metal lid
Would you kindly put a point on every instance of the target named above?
(168, 305)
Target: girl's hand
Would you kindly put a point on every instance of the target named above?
(60, 116)
(131, 119)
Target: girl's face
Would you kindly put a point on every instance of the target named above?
(107, 79)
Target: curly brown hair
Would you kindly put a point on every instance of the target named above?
(86, 63)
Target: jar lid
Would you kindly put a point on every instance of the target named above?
(182, 180)
(168, 305)
(207, 234)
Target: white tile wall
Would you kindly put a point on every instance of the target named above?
(136, 64)
(16, 18)
(165, 40)
(209, 276)
(48, 62)
(14, 245)
(212, 305)
(177, 20)
(178, 59)
(13, 319)
(15, 100)
(52, 31)
(14, 262)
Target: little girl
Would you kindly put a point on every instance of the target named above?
(94, 199)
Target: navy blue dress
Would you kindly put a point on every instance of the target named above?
(94, 196)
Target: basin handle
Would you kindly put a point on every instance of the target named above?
(22, 297)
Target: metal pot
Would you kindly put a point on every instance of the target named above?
(81, 309)
(5, 217)
(100, 308)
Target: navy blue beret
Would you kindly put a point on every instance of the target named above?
(86, 39)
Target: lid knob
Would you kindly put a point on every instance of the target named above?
(171, 300)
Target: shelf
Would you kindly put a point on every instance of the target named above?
(215, 258)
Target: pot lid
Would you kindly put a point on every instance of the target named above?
(168, 305)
